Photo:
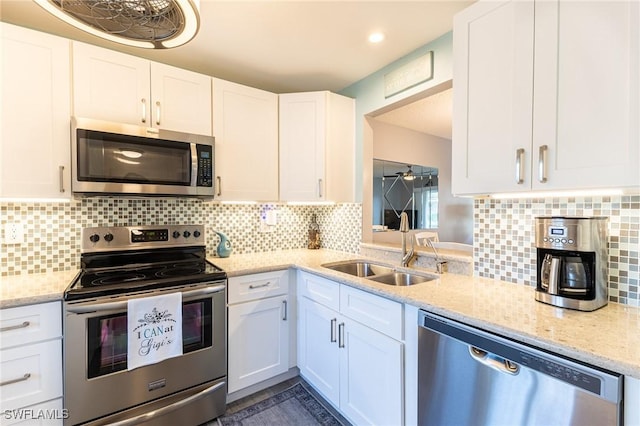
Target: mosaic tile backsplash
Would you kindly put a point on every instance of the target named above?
(504, 238)
(52, 230)
(503, 231)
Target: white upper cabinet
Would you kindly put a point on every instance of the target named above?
(181, 99)
(546, 96)
(317, 147)
(245, 125)
(493, 86)
(586, 94)
(36, 107)
(113, 86)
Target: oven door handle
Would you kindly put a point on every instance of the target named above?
(164, 410)
(96, 307)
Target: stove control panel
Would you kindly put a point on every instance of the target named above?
(141, 237)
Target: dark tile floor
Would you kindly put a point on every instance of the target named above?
(273, 390)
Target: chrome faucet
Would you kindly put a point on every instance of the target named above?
(404, 230)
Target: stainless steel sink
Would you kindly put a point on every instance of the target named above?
(401, 278)
(377, 272)
(359, 268)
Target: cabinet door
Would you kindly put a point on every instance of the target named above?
(492, 106)
(371, 376)
(110, 86)
(181, 100)
(258, 341)
(318, 348)
(302, 146)
(36, 99)
(245, 125)
(586, 94)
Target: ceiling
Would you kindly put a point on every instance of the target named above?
(292, 46)
(431, 115)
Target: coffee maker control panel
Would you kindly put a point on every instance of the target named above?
(560, 237)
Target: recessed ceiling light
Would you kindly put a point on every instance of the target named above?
(376, 37)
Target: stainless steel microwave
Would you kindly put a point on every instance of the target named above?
(113, 158)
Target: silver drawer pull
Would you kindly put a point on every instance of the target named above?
(16, 327)
(254, 286)
(285, 308)
(18, 380)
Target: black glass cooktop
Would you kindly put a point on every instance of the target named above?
(107, 274)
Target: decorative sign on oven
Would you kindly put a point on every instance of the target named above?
(154, 329)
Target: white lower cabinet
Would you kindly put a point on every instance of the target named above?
(259, 324)
(355, 367)
(31, 365)
(631, 401)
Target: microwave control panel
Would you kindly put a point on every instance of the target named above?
(205, 165)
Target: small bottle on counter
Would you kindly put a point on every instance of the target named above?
(314, 234)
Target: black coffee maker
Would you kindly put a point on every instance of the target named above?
(572, 260)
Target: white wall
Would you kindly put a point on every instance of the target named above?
(402, 145)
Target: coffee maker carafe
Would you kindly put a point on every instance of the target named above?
(572, 262)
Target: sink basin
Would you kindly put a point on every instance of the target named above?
(359, 268)
(377, 272)
(401, 278)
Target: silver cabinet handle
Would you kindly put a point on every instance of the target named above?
(61, 172)
(158, 113)
(520, 166)
(252, 286)
(542, 163)
(18, 380)
(25, 324)
(333, 329)
(320, 188)
(143, 101)
(284, 307)
(219, 182)
(341, 335)
(168, 408)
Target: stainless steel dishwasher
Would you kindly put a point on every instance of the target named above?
(470, 377)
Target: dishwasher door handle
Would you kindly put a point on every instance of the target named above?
(494, 361)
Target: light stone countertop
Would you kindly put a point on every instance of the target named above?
(608, 338)
(28, 289)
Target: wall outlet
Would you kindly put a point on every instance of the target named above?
(268, 221)
(13, 233)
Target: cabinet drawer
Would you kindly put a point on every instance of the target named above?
(31, 374)
(321, 290)
(376, 312)
(257, 286)
(32, 323)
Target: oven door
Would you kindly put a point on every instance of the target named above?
(97, 382)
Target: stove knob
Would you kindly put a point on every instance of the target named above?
(196, 233)
(176, 234)
(94, 238)
(108, 237)
(186, 234)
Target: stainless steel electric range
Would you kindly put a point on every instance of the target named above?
(122, 263)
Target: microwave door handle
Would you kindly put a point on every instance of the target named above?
(194, 165)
